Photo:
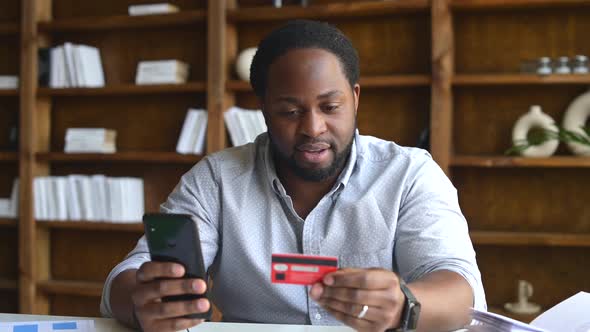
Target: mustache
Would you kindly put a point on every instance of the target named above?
(314, 144)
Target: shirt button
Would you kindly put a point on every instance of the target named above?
(318, 316)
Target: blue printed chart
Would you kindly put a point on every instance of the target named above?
(49, 326)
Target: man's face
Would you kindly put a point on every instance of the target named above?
(310, 111)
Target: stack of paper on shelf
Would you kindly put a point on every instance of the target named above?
(193, 133)
(152, 9)
(244, 125)
(9, 206)
(8, 82)
(89, 198)
(90, 140)
(161, 72)
(74, 66)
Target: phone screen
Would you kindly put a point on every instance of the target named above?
(175, 238)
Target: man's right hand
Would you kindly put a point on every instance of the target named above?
(151, 312)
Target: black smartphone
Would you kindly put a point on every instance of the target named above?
(175, 238)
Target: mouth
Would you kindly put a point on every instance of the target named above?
(314, 152)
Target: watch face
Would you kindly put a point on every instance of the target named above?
(414, 309)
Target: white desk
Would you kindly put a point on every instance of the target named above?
(110, 325)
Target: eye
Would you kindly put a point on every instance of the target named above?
(330, 107)
(291, 113)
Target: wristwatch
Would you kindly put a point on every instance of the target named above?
(410, 313)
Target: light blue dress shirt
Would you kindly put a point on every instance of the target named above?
(391, 207)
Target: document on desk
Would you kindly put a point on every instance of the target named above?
(49, 326)
(571, 314)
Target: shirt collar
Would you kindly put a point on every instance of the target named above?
(275, 183)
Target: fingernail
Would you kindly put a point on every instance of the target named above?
(202, 305)
(328, 280)
(178, 270)
(196, 286)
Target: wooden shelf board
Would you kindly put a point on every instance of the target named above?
(9, 28)
(530, 239)
(8, 92)
(333, 10)
(8, 284)
(519, 79)
(129, 156)
(124, 21)
(126, 89)
(8, 156)
(6, 222)
(365, 82)
(514, 4)
(136, 227)
(508, 162)
(68, 287)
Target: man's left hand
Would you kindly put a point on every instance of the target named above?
(346, 292)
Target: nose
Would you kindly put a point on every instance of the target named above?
(312, 124)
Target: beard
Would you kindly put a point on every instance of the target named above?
(313, 174)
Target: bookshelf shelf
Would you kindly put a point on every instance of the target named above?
(8, 28)
(507, 162)
(131, 156)
(128, 89)
(124, 22)
(334, 10)
(515, 4)
(5, 222)
(136, 227)
(519, 79)
(8, 92)
(66, 287)
(365, 82)
(8, 156)
(8, 284)
(530, 239)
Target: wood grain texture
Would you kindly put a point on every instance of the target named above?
(520, 79)
(403, 47)
(127, 90)
(530, 239)
(69, 287)
(515, 4)
(497, 42)
(69, 305)
(8, 285)
(525, 200)
(66, 9)
(122, 156)
(9, 28)
(136, 227)
(514, 162)
(556, 273)
(8, 222)
(484, 116)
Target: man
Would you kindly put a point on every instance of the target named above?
(312, 185)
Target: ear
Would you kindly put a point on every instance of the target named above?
(356, 95)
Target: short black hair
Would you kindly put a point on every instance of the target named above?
(302, 34)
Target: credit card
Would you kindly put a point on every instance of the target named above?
(301, 269)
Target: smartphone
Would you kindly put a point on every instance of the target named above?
(175, 238)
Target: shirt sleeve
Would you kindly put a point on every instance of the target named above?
(432, 233)
(197, 194)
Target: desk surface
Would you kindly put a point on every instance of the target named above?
(106, 324)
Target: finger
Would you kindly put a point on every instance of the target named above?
(373, 313)
(357, 324)
(156, 270)
(357, 296)
(173, 309)
(172, 325)
(155, 290)
(367, 279)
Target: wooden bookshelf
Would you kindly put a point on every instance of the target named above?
(519, 79)
(516, 4)
(126, 90)
(8, 29)
(506, 162)
(132, 156)
(328, 11)
(136, 227)
(8, 156)
(71, 287)
(8, 92)
(124, 22)
(5, 222)
(8, 285)
(529, 239)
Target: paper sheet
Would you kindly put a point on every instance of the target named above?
(49, 326)
(572, 315)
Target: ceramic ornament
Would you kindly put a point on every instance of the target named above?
(574, 119)
(243, 63)
(535, 118)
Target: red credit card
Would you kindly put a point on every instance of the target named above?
(301, 269)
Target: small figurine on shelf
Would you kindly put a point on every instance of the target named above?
(580, 65)
(243, 63)
(562, 66)
(523, 306)
(544, 66)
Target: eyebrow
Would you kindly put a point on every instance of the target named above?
(325, 95)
